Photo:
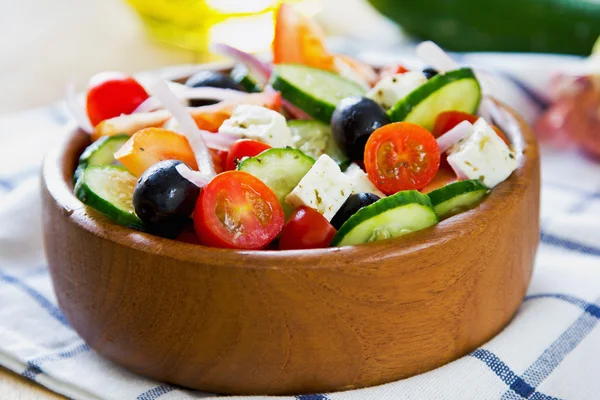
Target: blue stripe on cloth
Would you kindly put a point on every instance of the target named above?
(557, 351)
(155, 392)
(567, 244)
(39, 298)
(528, 91)
(312, 397)
(516, 384)
(565, 297)
(35, 365)
(6, 184)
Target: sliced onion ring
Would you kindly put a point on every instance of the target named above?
(251, 61)
(76, 108)
(188, 93)
(189, 129)
(217, 141)
(197, 178)
(455, 134)
(294, 111)
(438, 58)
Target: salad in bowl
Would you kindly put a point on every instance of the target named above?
(312, 150)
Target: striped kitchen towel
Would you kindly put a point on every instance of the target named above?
(549, 351)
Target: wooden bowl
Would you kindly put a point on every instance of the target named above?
(292, 322)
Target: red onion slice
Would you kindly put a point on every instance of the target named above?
(217, 141)
(434, 55)
(455, 134)
(251, 61)
(76, 108)
(189, 129)
(293, 111)
(187, 93)
(197, 178)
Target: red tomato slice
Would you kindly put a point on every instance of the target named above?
(243, 148)
(306, 229)
(236, 210)
(111, 94)
(401, 156)
(219, 157)
(449, 119)
(299, 40)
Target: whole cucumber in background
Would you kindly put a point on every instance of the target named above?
(545, 26)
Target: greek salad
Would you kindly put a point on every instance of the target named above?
(312, 150)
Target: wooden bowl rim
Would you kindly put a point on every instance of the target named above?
(58, 183)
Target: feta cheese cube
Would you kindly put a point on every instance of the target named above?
(483, 155)
(324, 188)
(258, 123)
(360, 181)
(391, 89)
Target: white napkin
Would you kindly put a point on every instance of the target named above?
(549, 351)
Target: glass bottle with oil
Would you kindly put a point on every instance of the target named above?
(194, 24)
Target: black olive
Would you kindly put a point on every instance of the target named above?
(163, 199)
(353, 121)
(352, 204)
(429, 72)
(211, 79)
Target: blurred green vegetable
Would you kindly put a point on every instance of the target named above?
(547, 26)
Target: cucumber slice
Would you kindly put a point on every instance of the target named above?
(315, 91)
(280, 169)
(314, 138)
(393, 216)
(244, 77)
(456, 90)
(101, 152)
(456, 197)
(109, 190)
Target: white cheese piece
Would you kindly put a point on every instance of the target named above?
(391, 89)
(324, 188)
(258, 123)
(360, 181)
(483, 155)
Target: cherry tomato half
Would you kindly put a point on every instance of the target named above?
(243, 148)
(401, 156)
(299, 40)
(111, 94)
(236, 210)
(306, 229)
(449, 119)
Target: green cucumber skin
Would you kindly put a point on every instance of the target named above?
(403, 108)
(88, 197)
(459, 204)
(302, 129)
(264, 167)
(100, 153)
(316, 108)
(241, 75)
(458, 196)
(399, 199)
(454, 189)
(543, 26)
